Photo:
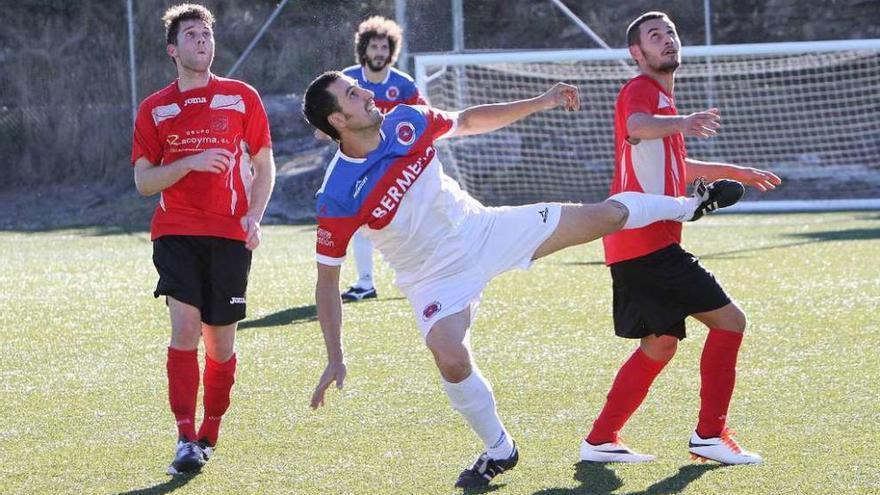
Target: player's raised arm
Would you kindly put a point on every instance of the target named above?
(698, 124)
(762, 180)
(330, 319)
(481, 119)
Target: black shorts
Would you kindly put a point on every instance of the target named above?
(210, 273)
(653, 294)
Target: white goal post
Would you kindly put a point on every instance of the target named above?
(808, 111)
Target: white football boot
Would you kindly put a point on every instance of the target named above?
(723, 449)
(614, 451)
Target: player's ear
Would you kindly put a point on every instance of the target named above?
(337, 120)
(171, 50)
(636, 52)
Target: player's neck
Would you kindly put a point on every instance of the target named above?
(189, 79)
(359, 144)
(376, 76)
(666, 79)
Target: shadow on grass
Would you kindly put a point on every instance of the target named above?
(600, 479)
(284, 317)
(302, 314)
(169, 486)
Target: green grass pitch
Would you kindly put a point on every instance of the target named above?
(83, 404)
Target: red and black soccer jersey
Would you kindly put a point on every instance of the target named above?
(655, 166)
(171, 125)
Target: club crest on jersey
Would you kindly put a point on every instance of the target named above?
(220, 123)
(406, 133)
(392, 93)
(431, 310)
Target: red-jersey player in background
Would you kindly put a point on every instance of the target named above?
(203, 143)
(656, 283)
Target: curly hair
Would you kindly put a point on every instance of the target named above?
(184, 12)
(377, 27)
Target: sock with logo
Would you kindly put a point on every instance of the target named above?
(473, 399)
(645, 209)
(718, 377)
(218, 378)
(183, 387)
(629, 389)
(363, 258)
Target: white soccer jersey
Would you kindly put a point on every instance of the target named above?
(416, 215)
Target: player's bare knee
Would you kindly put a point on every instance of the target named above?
(454, 368)
(738, 320)
(185, 336)
(660, 348)
(614, 215)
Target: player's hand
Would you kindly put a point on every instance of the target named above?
(761, 180)
(334, 372)
(214, 160)
(703, 124)
(564, 95)
(251, 225)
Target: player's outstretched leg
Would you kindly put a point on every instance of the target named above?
(471, 395)
(719, 194)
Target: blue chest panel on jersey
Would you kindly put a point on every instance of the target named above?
(351, 182)
(397, 87)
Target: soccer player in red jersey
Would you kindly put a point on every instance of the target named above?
(203, 144)
(656, 283)
(443, 245)
(377, 45)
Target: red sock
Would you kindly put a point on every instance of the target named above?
(183, 387)
(718, 375)
(219, 378)
(629, 389)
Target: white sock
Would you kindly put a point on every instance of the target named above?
(363, 258)
(473, 399)
(645, 209)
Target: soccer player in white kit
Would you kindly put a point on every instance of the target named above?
(443, 245)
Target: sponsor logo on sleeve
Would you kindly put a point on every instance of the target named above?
(392, 93)
(431, 310)
(236, 300)
(406, 133)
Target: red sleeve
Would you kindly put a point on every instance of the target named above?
(639, 97)
(256, 125)
(415, 99)
(145, 142)
(441, 124)
(333, 236)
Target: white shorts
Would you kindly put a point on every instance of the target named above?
(508, 240)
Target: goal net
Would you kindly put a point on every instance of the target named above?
(809, 112)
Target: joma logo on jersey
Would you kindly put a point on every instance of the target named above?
(400, 185)
(193, 101)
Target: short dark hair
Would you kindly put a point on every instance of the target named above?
(319, 103)
(633, 33)
(184, 12)
(377, 27)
